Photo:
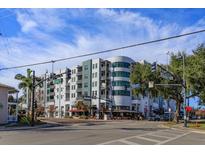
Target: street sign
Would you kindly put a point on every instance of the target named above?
(151, 84)
(166, 75)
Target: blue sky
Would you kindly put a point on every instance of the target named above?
(35, 35)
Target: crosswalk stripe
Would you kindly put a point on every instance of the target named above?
(160, 136)
(128, 142)
(174, 138)
(148, 139)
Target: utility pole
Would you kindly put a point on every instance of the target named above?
(33, 99)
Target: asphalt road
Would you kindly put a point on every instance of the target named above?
(106, 133)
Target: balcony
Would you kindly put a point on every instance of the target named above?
(79, 73)
(79, 81)
(79, 89)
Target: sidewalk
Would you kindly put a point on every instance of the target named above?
(181, 126)
(13, 128)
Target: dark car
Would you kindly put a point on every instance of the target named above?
(168, 116)
(154, 118)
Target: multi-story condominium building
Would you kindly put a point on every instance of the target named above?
(105, 82)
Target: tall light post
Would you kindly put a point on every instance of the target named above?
(33, 99)
(184, 91)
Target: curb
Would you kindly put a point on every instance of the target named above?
(27, 127)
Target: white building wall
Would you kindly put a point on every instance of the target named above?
(4, 102)
(95, 84)
(96, 74)
(120, 100)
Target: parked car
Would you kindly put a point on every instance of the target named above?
(168, 116)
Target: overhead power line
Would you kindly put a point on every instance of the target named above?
(105, 51)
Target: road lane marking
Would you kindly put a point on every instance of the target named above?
(128, 137)
(155, 135)
(174, 138)
(128, 142)
(148, 139)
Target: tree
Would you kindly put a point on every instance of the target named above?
(25, 82)
(142, 74)
(195, 74)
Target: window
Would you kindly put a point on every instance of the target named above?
(86, 67)
(93, 66)
(121, 83)
(85, 85)
(93, 84)
(96, 93)
(96, 83)
(96, 65)
(121, 92)
(93, 75)
(57, 89)
(86, 76)
(96, 74)
(121, 74)
(121, 64)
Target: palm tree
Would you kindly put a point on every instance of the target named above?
(26, 85)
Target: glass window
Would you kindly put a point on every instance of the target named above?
(86, 67)
(121, 92)
(121, 74)
(96, 83)
(86, 76)
(85, 85)
(121, 83)
(121, 64)
(96, 74)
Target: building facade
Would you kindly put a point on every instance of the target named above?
(106, 84)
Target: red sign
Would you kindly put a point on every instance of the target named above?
(188, 108)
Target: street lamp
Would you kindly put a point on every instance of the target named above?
(184, 92)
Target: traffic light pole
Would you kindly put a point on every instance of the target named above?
(33, 99)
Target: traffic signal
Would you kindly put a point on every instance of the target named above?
(154, 67)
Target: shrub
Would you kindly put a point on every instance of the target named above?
(25, 120)
(83, 117)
